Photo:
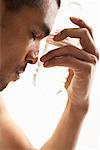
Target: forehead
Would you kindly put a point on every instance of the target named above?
(50, 8)
(37, 18)
(42, 17)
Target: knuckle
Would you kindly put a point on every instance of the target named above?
(98, 56)
(91, 29)
(64, 31)
(69, 47)
(94, 59)
(85, 31)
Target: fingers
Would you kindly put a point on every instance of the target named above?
(69, 50)
(84, 33)
(81, 33)
(81, 24)
(70, 62)
(86, 40)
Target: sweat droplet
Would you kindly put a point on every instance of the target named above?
(35, 54)
(36, 45)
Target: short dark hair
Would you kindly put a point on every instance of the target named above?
(17, 4)
(58, 2)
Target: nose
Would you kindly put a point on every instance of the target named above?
(31, 57)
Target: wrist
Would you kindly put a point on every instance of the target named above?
(78, 107)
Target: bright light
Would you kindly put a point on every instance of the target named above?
(38, 99)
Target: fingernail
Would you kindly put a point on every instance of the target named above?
(42, 58)
(74, 19)
(46, 64)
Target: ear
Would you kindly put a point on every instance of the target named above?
(31, 57)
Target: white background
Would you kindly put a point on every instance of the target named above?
(37, 106)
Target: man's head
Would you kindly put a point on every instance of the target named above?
(21, 23)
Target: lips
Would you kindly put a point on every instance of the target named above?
(5, 82)
(19, 71)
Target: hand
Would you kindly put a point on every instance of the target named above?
(81, 62)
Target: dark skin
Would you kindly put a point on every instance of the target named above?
(81, 63)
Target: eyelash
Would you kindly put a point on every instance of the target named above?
(33, 35)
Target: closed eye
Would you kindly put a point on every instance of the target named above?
(33, 35)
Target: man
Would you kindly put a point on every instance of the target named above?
(22, 22)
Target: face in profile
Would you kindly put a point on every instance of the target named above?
(19, 30)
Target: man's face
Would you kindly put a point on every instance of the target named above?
(18, 34)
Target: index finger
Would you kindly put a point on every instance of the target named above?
(83, 34)
(82, 24)
(86, 40)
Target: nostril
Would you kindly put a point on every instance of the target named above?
(31, 57)
(30, 61)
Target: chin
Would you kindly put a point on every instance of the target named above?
(2, 87)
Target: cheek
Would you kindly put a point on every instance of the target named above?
(14, 49)
(14, 45)
(12, 56)
(16, 52)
